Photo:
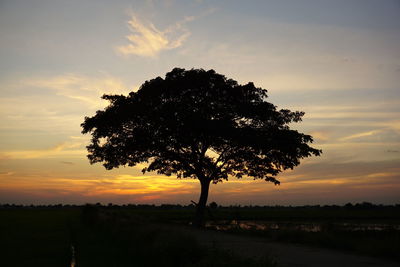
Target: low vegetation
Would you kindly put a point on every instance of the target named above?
(148, 235)
(102, 236)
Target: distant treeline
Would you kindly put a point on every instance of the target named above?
(212, 205)
(214, 212)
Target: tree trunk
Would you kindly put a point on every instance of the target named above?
(199, 220)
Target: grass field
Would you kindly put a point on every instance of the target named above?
(95, 235)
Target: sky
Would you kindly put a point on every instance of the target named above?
(339, 61)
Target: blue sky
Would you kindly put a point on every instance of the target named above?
(339, 61)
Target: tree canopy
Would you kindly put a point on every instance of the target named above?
(197, 124)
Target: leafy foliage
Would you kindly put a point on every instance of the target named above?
(197, 124)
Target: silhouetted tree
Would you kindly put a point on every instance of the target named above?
(197, 124)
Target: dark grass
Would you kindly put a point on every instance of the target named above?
(102, 237)
(35, 237)
(140, 236)
(110, 237)
(364, 212)
(383, 243)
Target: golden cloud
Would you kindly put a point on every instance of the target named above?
(148, 41)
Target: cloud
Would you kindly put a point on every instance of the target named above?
(383, 135)
(70, 148)
(6, 173)
(79, 87)
(122, 188)
(41, 154)
(67, 162)
(53, 104)
(318, 183)
(328, 171)
(148, 41)
(358, 135)
(321, 136)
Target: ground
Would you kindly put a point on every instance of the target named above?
(161, 236)
(285, 255)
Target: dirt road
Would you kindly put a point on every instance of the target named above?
(286, 255)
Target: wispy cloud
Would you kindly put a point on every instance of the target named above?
(54, 103)
(147, 40)
(79, 87)
(70, 148)
(67, 162)
(130, 188)
(358, 135)
(321, 136)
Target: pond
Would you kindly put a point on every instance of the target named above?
(73, 262)
(301, 226)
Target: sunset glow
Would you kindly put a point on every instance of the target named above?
(339, 61)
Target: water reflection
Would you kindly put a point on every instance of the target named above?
(72, 256)
(300, 226)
